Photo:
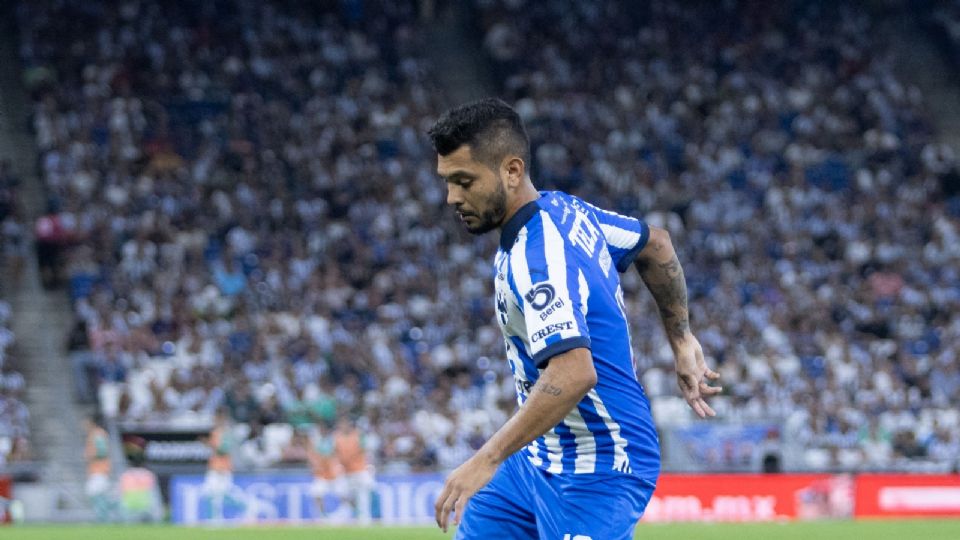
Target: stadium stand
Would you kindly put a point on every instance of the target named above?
(14, 416)
(254, 222)
(808, 193)
(258, 226)
(944, 23)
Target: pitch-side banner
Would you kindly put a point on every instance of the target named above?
(901, 495)
(408, 499)
(750, 497)
(286, 498)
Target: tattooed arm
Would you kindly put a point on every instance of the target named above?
(567, 378)
(660, 270)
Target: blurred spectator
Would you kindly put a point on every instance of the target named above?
(97, 454)
(256, 451)
(14, 416)
(351, 449)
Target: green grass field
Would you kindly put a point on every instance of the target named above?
(846, 530)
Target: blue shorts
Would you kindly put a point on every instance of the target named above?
(522, 502)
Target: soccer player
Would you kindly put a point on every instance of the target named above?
(97, 454)
(348, 444)
(140, 492)
(218, 481)
(325, 467)
(581, 457)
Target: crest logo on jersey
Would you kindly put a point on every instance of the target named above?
(549, 330)
(540, 296)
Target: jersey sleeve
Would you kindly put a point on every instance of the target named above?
(625, 235)
(553, 290)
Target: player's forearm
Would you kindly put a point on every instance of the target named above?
(660, 270)
(561, 386)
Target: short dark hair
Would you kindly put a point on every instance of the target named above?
(489, 126)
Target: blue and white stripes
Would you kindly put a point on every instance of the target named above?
(555, 293)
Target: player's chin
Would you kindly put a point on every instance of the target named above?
(479, 227)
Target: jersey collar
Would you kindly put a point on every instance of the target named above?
(510, 229)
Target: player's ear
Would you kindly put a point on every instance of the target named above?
(513, 170)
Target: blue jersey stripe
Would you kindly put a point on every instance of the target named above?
(569, 446)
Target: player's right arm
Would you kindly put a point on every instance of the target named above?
(662, 273)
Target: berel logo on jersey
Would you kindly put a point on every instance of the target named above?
(551, 309)
(540, 296)
(550, 329)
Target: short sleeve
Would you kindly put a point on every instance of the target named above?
(553, 291)
(625, 235)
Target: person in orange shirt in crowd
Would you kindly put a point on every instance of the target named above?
(139, 489)
(348, 444)
(326, 469)
(97, 454)
(219, 478)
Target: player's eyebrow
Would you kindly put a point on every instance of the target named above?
(457, 174)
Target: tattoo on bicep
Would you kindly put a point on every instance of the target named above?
(550, 389)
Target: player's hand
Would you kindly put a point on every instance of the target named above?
(693, 376)
(462, 484)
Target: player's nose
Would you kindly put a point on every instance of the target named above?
(454, 195)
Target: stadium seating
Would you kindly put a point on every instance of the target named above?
(803, 184)
(257, 224)
(14, 416)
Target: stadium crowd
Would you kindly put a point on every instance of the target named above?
(255, 224)
(253, 220)
(814, 208)
(943, 22)
(14, 416)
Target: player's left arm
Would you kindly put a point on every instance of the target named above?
(661, 271)
(567, 378)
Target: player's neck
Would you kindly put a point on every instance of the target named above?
(523, 196)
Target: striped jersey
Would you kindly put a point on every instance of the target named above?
(557, 289)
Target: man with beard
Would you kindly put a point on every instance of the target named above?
(580, 458)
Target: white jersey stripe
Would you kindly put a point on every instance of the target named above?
(584, 294)
(554, 451)
(621, 238)
(556, 256)
(521, 274)
(584, 442)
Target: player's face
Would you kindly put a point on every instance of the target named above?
(475, 190)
